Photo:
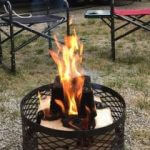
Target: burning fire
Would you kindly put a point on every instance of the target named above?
(68, 59)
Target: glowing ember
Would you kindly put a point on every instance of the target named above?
(68, 59)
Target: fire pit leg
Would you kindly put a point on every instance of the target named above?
(84, 142)
(29, 139)
(40, 116)
(1, 54)
(49, 40)
(12, 52)
(120, 136)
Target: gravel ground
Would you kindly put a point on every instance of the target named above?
(10, 125)
(136, 120)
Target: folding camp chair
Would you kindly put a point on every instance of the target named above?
(25, 23)
(130, 16)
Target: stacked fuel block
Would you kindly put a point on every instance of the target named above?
(85, 118)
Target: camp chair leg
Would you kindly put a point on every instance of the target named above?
(49, 40)
(68, 23)
(113, 38)
(12, 49)
(1, 53)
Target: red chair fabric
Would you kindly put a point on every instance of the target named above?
(130, 12)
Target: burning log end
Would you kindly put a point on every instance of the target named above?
(45, 115)
(71, 122)
(40, 116)
(57, 98)
(77, 123)
(88, 109)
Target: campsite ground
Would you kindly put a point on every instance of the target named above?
(129, 75)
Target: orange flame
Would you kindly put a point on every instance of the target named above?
(60, 104)
(68, 59)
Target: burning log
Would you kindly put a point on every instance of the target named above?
(40, 116)
(57, 95)
(84, 119)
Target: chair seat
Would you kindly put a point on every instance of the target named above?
(127, 12)
(36, 19)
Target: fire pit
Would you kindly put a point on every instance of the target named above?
(72, 113)
(36, 136)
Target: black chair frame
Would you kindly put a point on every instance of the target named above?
(109, 17)
(25, 24)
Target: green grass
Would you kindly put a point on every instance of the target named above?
(144, 102)
(131, 69)
(143, 136)
(91, 21)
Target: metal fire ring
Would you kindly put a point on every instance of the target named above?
(38, 137)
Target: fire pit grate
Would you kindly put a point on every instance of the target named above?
(39, 137)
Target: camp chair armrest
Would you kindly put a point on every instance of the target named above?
(3, 1)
